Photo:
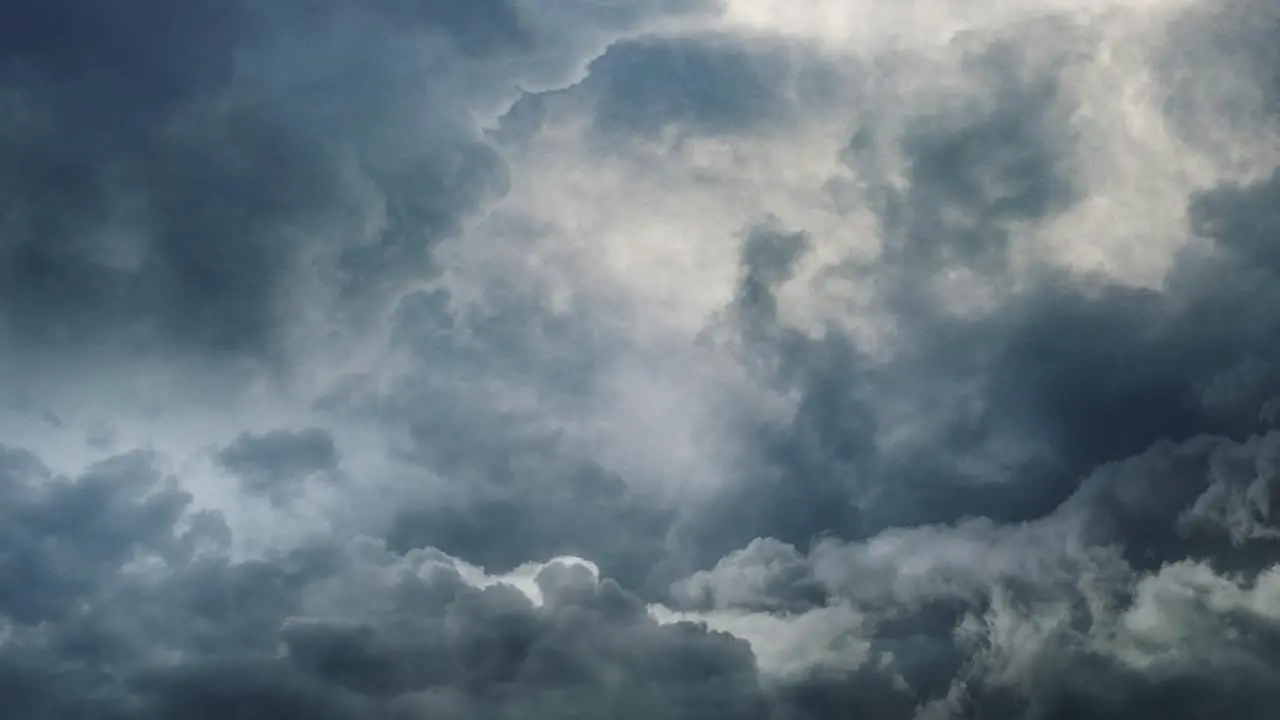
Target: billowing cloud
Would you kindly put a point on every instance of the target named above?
(645, 359)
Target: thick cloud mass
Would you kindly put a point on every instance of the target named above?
(274, 463)
(747, 360)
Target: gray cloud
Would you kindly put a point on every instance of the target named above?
(1110, 605)
(1055, 382)
(170, 174)
(366, 633)
(1044, 491)
(646, 85)
(276, 463)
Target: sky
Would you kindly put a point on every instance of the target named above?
(639, 359)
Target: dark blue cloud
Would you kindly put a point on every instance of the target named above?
(275, 464)
(139, 215)
(1004, 490)
(709, 87)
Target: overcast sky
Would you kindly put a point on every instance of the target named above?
(639, 359)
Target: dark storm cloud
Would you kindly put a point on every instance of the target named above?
(1039, 619)
(1132, 411)
(1019, 404)
(591, 648)
(64, 538)
(971, 174)
(803, 487)
(517, 490)
(1061, 508)
(698, 85)
(1244, 220)
(1208, 498)
(410, 635)
(644, 86)
(1011, 409)
(275, 463)
(1238, 41)
(1002, 412)
(997, 157)
(1141, 415)
(996, 163)
(766, 575)
(516, 487)
(971, 177)
(169, 174)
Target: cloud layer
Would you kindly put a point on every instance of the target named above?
(649, 359)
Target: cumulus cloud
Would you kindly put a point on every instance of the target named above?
(652, 359)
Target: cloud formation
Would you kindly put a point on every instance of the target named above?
(649, 359)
